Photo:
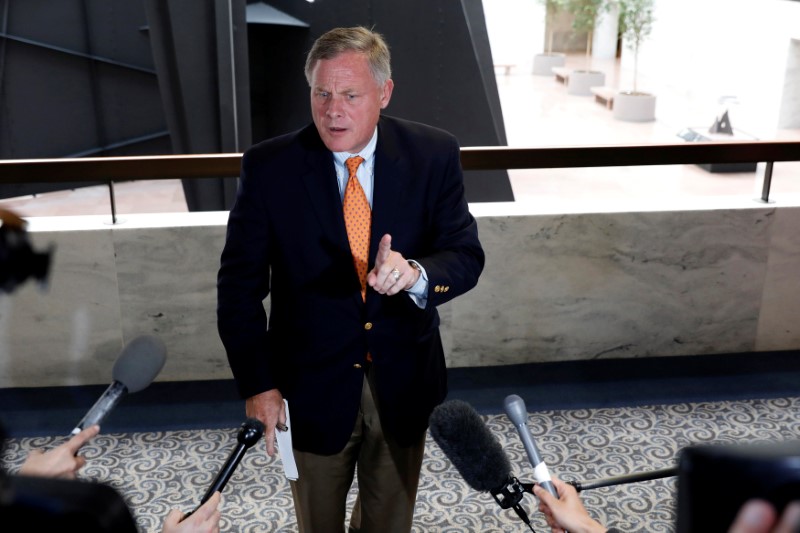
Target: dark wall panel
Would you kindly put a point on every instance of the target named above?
(123, 77)
(199, 58)
(76, 79)
(279, 98)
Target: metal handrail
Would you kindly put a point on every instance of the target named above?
(157, 167)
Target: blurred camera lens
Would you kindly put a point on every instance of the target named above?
(19, 261)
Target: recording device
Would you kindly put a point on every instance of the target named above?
(251, 430)
(18, 260)
(518, 414)
(135, 368)
(714, 480)
(477, 455)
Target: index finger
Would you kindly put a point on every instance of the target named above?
(384, 249)
(208, 508)
(82, 438)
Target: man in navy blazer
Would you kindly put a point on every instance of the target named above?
(360, 374)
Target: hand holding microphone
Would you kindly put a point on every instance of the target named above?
(135, 368)
(251, 430)
(62, 461)
(518, 414)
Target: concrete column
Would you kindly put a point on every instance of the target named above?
(604, 39)
(789, 114)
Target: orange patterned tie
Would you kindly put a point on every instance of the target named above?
(357, 219)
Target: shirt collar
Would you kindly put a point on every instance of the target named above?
(367, 152)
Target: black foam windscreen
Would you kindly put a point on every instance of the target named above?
(464, 438)
(140, 362)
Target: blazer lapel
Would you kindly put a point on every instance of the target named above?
(389, 186)
(319, 179)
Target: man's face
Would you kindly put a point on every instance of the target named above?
(346, 101)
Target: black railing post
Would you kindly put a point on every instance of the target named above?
(113, 202)
(767, 182)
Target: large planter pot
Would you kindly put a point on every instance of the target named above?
(634, 106)
(581, 81)
(543, 63)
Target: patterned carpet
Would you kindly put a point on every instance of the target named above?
(156, 471)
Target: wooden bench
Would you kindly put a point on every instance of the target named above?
(506, 66)
(604, 95)
(562, 74)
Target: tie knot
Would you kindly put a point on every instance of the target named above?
(352, 164)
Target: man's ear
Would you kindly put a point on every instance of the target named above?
(386, 93)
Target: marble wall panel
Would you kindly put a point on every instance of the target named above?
(555, 287)
(167, 284)
(779, 323)
(615, 285)
(69, 333)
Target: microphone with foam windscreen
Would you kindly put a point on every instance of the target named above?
(135, 368)
(477, 455)
(250, 431)
(518, 414)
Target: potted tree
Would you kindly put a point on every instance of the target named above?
(585, 13)
(635, 23)
(543, 63)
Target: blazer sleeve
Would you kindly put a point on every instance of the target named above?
(243, 283)
(458, 258)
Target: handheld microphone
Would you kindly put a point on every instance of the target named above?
(251, 430)
(135, 368)
(518, 414)
(477, 455)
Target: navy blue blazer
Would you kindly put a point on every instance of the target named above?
(286, 239)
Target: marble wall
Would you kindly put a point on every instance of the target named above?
(556, 287)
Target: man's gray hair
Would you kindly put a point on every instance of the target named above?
(358, 39)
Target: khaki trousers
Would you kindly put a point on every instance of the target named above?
(388, 476)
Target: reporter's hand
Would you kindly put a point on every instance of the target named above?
(62, 461)
(204, 520)
(566, 513)
(759, 516)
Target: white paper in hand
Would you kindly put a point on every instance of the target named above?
(284, 439)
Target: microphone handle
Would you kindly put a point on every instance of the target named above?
(627, 478)
(541, 474)
(549, 487)
(225, 472)
(102, 406)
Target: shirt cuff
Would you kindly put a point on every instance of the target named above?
(419, 291)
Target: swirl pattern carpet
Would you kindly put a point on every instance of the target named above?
(157, 471)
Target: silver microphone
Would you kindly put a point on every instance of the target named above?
(518, 414)
(137, 365)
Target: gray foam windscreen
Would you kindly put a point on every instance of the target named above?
(140, 362)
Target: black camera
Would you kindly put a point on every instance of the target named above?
(18, 260)
(715, 480)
